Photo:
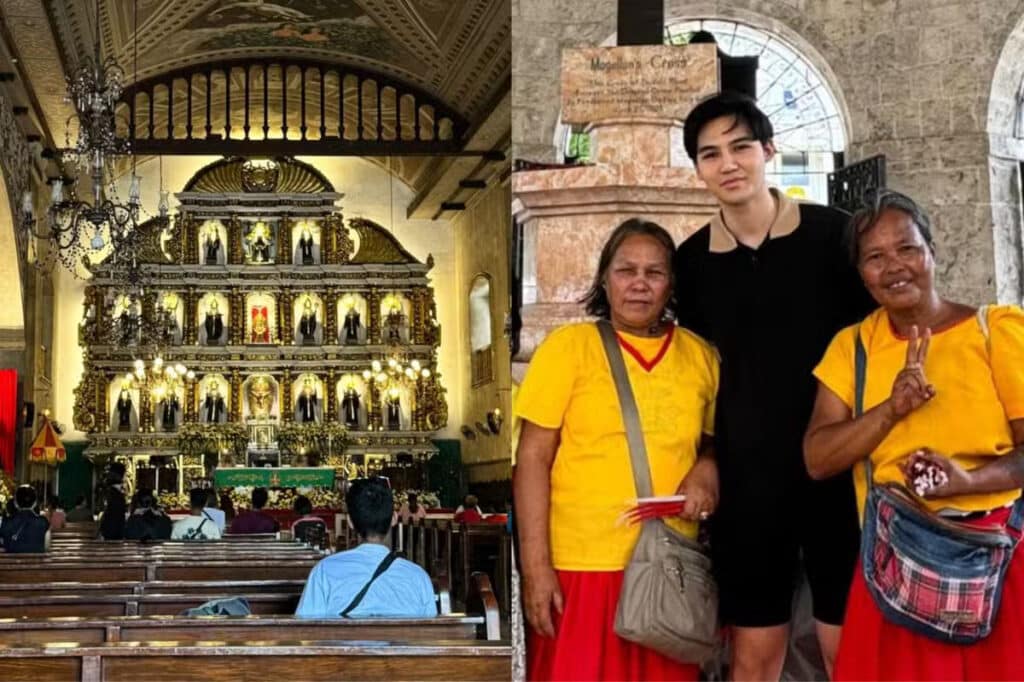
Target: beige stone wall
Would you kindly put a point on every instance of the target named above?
(482, 235)
(922, 81)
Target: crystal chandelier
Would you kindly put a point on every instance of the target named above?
(74, 228)
(159, 380)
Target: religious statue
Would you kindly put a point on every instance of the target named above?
(350, 408)
(351, 326)
(169, 318)
(214, 324)
(169, 412)
(124, 410)
(307, 322)
(260, 397)
(214, 409)
(393, 321)
(212, 246)
(260, 325)
(306, 408)
(306, 247)
(259, 239)
(394, 411)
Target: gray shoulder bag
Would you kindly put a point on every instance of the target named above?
(669, 600)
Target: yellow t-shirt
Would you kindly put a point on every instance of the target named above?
(569, 387)
(979, 389)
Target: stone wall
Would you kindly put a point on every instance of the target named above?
(922, 81)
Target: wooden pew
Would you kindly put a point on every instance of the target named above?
(88, 605)
(197, 587)
(214, 661)
(138, 570)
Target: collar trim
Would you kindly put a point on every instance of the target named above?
(786, 221)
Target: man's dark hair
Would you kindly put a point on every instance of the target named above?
(25, 497)
(197, 498)
(596, 298)
(302, 506)
(371, 506)
(259, 498)
(145, 499)
(741, 108)
(211, 497)
(874, 203)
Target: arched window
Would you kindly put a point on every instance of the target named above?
(808, 126)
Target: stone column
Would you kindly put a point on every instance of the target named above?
(373, 299)
(331, 397)
(287, 409)
(236, 397)
(234, 252)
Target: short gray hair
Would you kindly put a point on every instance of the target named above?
(874, 203)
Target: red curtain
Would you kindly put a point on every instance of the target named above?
(8, 417)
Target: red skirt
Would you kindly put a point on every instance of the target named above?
(586, 646)
(872, 648)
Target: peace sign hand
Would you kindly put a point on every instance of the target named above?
(911, 389)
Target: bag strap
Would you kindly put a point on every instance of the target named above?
(630, 413)
(383, 566)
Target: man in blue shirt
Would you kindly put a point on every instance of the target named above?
(400, 588)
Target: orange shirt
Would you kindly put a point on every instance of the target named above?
(979, 388)
(569, 387)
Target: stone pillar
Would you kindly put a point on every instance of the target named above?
(373, 299)
(331, 397)
(286, 305)
(287, 410)
(236, 300)
(189, 327)
(235, 412)
(234, 252)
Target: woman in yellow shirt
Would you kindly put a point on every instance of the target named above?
(573, 477)
(943, 388)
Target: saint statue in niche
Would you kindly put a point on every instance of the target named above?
(169, 407)
(308, 404)
(124, 410)
(212, 245)
(393, 405)
(260, 332)
(350, 407)
(307, 322)
(261, 397)
(306, 247)
(213, 325)
(351, 326)
(214, 409)
(260, 243)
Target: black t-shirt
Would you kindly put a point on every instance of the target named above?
(24, 532)
(771, 312)
(147, 526)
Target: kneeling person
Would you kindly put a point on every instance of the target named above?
(369, 580)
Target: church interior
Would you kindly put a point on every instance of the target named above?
(262, 244)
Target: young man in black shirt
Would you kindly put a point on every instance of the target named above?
(25, 531)
(767, 281)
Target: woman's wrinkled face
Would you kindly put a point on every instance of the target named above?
(638, 282)
(895, 262)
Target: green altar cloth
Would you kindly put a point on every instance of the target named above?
(275, 478)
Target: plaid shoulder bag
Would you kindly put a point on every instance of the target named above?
(938, 577)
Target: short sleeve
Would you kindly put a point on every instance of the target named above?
(1006, 355)
(544, 395)
(835, 370)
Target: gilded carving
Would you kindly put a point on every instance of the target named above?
(377, 245)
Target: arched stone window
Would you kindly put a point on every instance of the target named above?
(809, 129)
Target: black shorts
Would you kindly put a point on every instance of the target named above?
(759, 553)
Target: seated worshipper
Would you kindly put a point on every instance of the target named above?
(81, 512)
(304, 508)
(112, 521)
(255, 520)
(574, 477)
(927, 394)
(468, 511)
(218, 515)
(197, 526)
(147, 521)
(369, 580)
(25, 531)
(412, 509)
(55, 513)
